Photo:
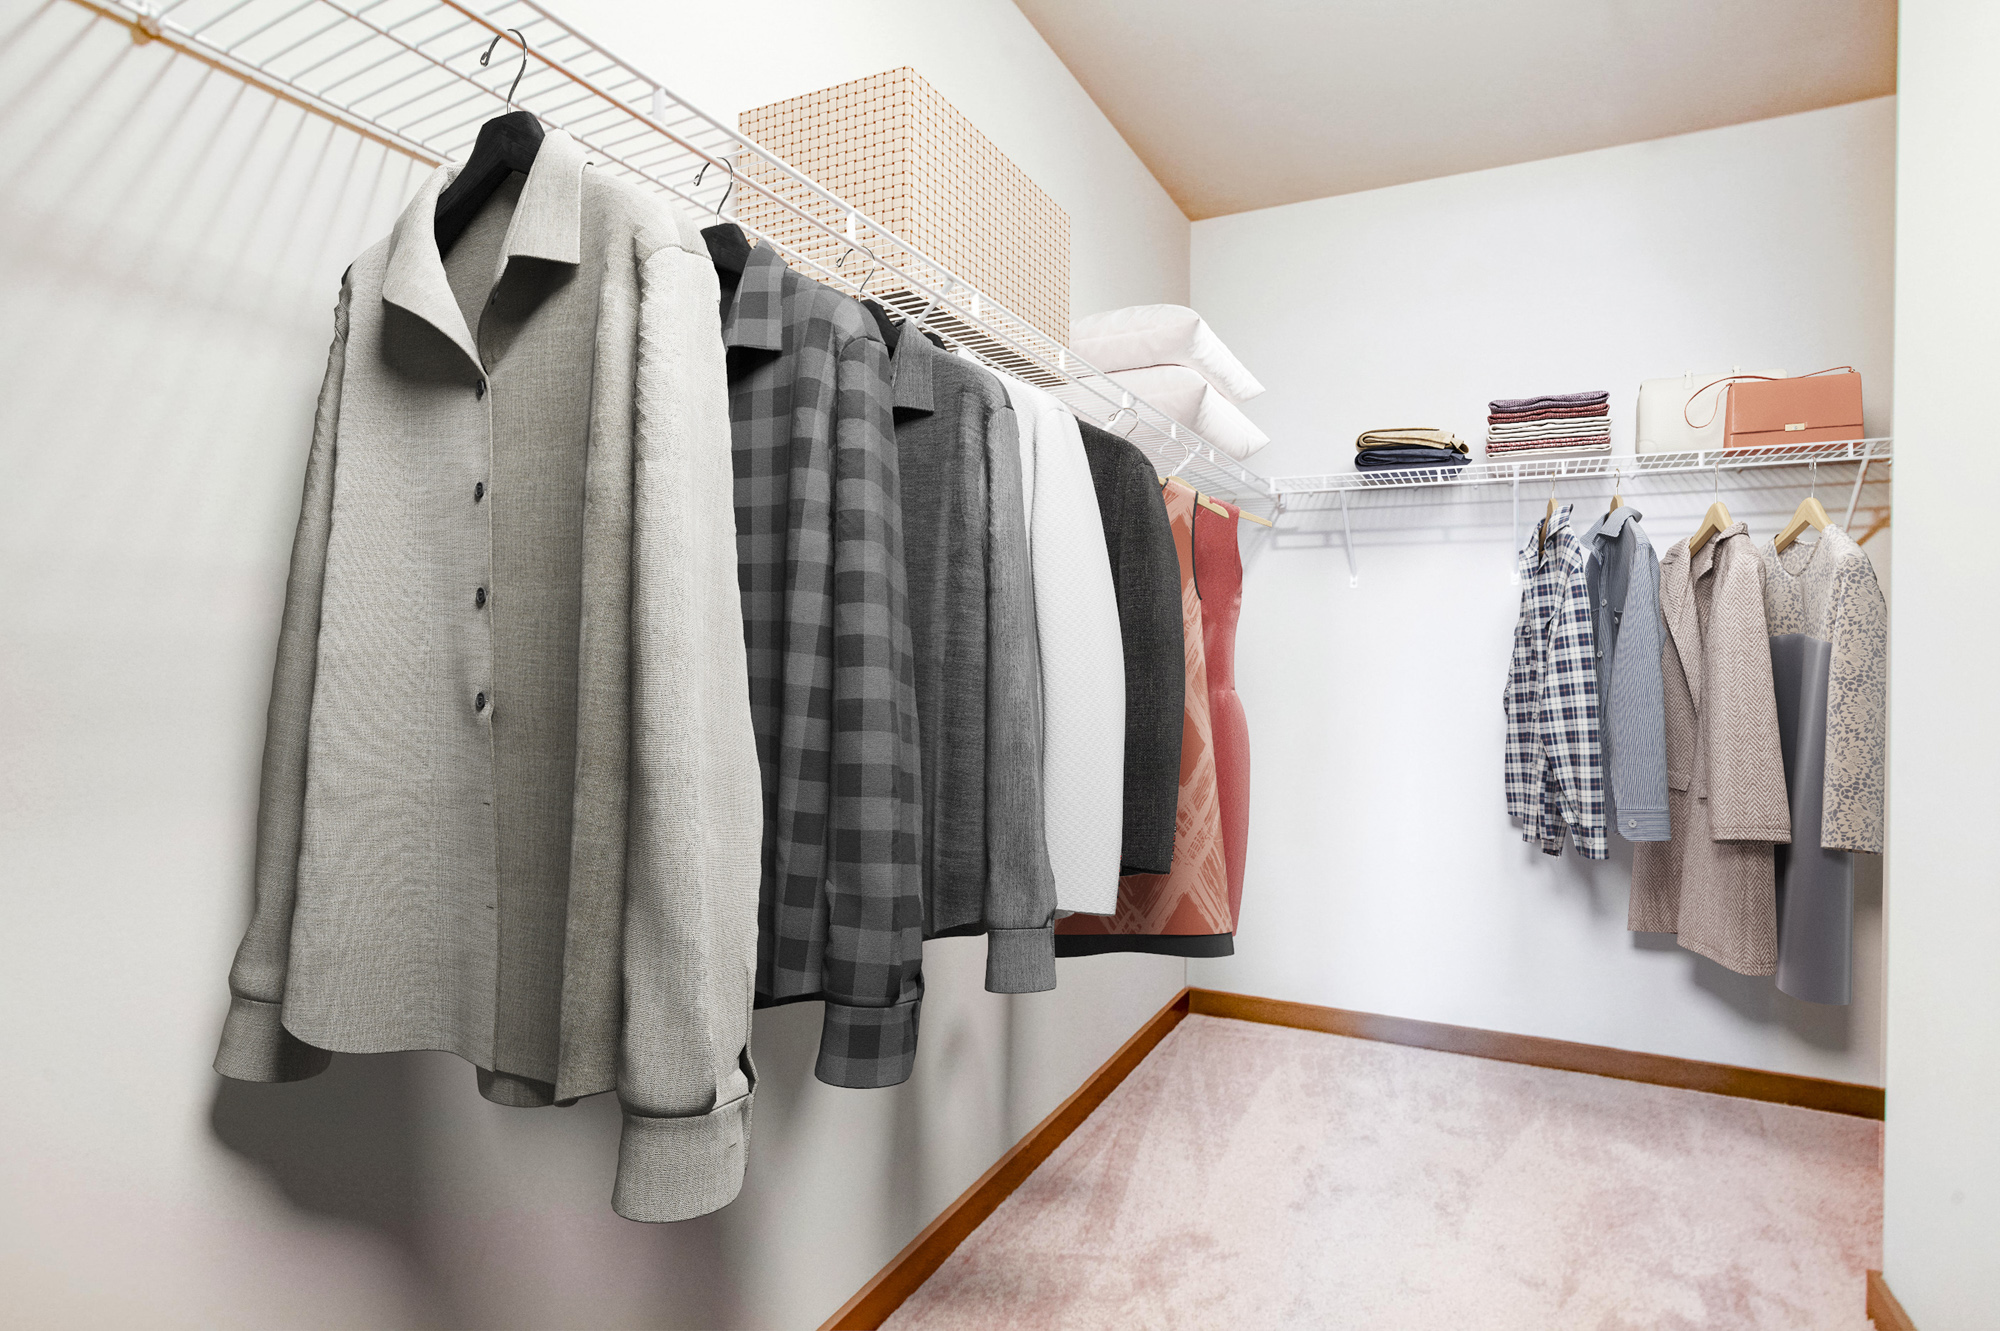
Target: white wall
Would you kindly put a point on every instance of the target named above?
(1941, 1221)
(170, 245)
(1383, 873)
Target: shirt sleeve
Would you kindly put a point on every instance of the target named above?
(255, 1044)
(873, 966)
(685, 1079)
(1568, 710)
(1637, 707)
(1020, 888)
(1857, 705)
(1518, 703)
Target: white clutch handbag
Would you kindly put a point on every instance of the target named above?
(1685, 414)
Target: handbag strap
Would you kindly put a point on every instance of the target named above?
(1732, 378)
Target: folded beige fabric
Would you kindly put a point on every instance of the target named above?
(1406, 436)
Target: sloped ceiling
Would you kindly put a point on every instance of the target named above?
(1241, 104)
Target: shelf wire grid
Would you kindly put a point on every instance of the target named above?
(406, 73)
(1329, 491)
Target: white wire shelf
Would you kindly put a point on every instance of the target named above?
(1305, 494)
(406, 73)
(1298, 492)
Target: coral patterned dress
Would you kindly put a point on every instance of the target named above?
(1218, 566)
(1184, 912)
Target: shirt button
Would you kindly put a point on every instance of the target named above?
(479, 703)
(479, 599)
(478, 491)
(479, 389)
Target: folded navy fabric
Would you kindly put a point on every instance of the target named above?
(1407, 457)
(1507, 404)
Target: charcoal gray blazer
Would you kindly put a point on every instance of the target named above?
(1146, 573)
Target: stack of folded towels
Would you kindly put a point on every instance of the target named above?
(1408, 449)
(1560, 423)
(1167, 356)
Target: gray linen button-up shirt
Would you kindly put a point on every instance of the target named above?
(509, 803)
(832, 677)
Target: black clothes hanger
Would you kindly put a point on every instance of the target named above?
(891, 330)
(728, 247)
(506, 144)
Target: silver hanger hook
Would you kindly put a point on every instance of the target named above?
(1715, 494)
(1617, 480)
(862, 290)
(487, 55)
(1812, 477)
(725, 189)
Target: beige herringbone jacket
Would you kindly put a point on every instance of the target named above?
(510, 798)
(1713, 883)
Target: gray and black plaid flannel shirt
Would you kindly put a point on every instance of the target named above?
(1555, 768)
(832, 676)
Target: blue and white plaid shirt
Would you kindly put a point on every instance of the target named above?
(1555, 769)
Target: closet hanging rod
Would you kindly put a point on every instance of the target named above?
(402, 73)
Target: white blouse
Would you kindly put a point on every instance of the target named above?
(1082, 656)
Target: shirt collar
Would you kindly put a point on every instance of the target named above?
(753, 315)
(547, 224)
(912, 367)
(1704, 558)
(1612, 525)
(1555, 523)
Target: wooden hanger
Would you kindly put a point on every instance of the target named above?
(1617, 499)
(1224, 511)
(1716, 520)
(1809, 513)
(1542, 531)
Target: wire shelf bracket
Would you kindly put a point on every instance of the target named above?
(405, 73)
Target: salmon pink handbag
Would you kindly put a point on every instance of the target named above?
(1816, 408)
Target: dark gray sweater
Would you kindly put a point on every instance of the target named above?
(1147, 574)
(972, 623)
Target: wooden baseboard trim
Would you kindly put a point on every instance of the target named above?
(1883, 1310)
(928, 1250)
(1838, 1097)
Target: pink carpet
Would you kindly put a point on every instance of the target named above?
(1254, 1176)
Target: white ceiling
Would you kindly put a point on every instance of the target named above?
(1240, 104)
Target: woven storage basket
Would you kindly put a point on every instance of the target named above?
(893, 148)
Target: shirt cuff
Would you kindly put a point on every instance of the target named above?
(868, 1047)
(257, 1047)
(1020, 961)
(680, 1168)
(1643, 824)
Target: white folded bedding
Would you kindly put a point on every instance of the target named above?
(1182, 393)
(1144, 335)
